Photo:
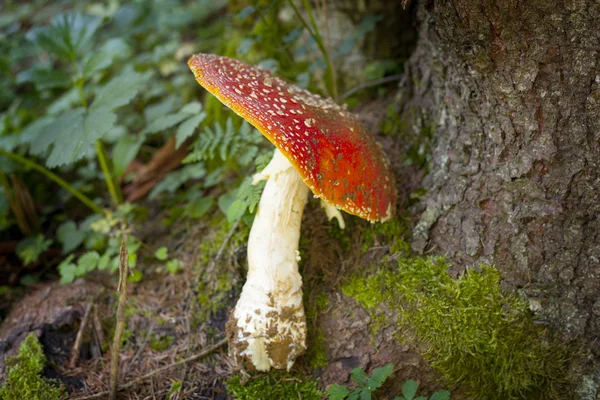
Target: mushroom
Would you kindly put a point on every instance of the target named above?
(321, 147)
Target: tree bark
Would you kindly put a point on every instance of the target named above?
(511, 91)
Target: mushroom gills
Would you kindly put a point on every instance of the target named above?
(268, 326)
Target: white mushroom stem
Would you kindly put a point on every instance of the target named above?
(268, 326)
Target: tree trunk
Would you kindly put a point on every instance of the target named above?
(511, 91)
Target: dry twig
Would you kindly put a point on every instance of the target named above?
(116, 347)
(77, 346)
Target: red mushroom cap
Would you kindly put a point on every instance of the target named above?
(329, 147)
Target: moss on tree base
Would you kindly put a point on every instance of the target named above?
(473, 333)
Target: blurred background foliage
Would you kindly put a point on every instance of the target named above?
(101, 119)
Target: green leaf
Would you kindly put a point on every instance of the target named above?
(73, 134)
(69, 236)
(69, 124)
(104, 57)
(187, 128)
(67, 36)
(365, 394)
(45, 78)
(67, 270)
(355, 393)
(198, 207)
(165, 122)
(192, 108)
(124, 152)
(235, 210)
(359, 376)
(177, 178)
(409, 389)
(104, 260)
(379, 376)
(337, 392)
(173, 266)
(162, 253)
(120, 90)
(164, 107)
(132, 259)
(440, 395)
(135, 276)
(250, 194)
(89, 261)
(32, 132)
(30, 249)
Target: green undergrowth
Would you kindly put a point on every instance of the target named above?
(393, 233)
(316, 352)
(24, 375)
(215, 283)
(472, 332)
(274, 386)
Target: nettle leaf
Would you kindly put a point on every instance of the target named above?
(120, 90)
(365, 394)
(67, 36)
(45, 78)
(72, 135)
(31, 132)
(104, 57)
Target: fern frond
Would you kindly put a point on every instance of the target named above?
(227, 143)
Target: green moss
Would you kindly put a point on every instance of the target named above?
(394, 232)
(474, 334)
(160, 342)
(215, 284)
(316, 352)
(274, 386)
(24, 380)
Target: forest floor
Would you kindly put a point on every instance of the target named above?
(173, 316)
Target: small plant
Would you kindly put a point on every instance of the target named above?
(368, 385)
(409, 391)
